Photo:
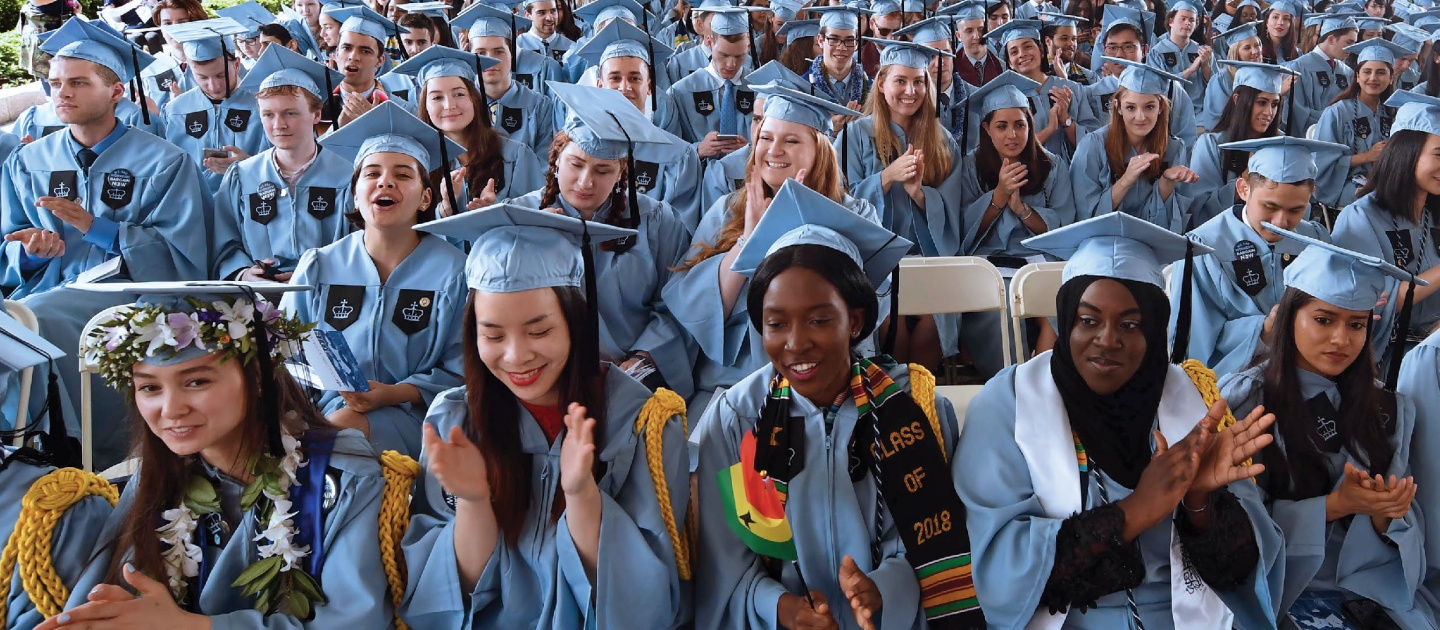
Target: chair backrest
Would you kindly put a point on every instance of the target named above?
(1032, 294)
(950, 284)
(87, 433)
(27, 318)
(959, 397)
(126, 468)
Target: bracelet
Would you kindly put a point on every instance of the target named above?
(995, 207)
(1030, 213)
(1193, 510)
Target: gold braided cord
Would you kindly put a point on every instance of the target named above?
(400, 472)
(922, 389)
(30, 544)
(1209, 387)
(662, 406)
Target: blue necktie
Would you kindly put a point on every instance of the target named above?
(727, 110)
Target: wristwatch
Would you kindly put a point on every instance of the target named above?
(1069, 122)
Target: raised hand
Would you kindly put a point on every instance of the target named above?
(1135, 168)
(1163, 483)
(457, 464)
(577, 453)
(1222, 462)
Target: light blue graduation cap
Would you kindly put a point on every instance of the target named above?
(250, 15)
(623, 39)
(800, 28)
(21, 348)
(1264, 77)
(1417, 112)
(1411, 38)
(774, 72)
(365, 21)
(388, 128)
(783, 102)
(1239, 33)
(1349, 6)
(785, 9)
(965, 11)
(1187, 5)
(1250, 3)
(1221, 23)
(1003, 92)
(204, 40)
(885, 7)
(1293, 7)
(1115, 15)
(840, 18)
(1016, 29)
(1377, 49)
(1051, 18)
(1330, 22)
(484, 20)
(1144, 79)
(516, 249)
(430, 9)
(1342, 277)
(81, 39)
(1285, 159)
(279, 66)
(601, 11)
(607, 126)
(907, 54)
(731, 20)
(1115, 245)
(1369, 23)
(935, 29)
(800, 216)
(441, 61)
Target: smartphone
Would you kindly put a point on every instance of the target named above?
(214, 153)
(728, 138)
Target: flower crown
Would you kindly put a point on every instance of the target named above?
(150, 330)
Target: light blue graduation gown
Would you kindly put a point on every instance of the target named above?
(1214, 192)
(1097, 97)
(38, 121)
(1344, 555)
(1092, 179)
(165, 70)
(194, 123)
(525, 116)
(1031, 10)
(533, 70)
(1217, 94)
(1353, 124)
(730, 348)
(1366, 228)
(540, 582)
(1054, 203)
(1317, 85)
(151, 210)
(1013, 539)
(675, 183)
(724, 176)
(74, 533)
(524, 172)
(1420, 382)
(292, 220)
(399, 86)
(351, 577)
(555, 48)
(830, 515)
(1084, 117)
(1166, 55)
(8, 143)
(404, 330)
(1230, 300)
(633, 314)
(697, 105)
(936, 230)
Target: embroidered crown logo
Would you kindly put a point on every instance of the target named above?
(195, 127)
(61, 191)
(235, 121)
(510, 121)
(412, 313)
(114, 193)
(1251, 278)
(319, 205)
(1328, 429)
(264, 209)
(643, 180)
(342, 310)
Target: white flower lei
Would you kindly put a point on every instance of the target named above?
(182, 557)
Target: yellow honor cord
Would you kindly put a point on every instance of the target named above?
(650, 424)
(30, 544)
(922, 390)
(400, 472)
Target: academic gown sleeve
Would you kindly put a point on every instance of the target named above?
(1225, 326)
(1056, 206)
(1182, 117)
(527, 172)
(662, 338)
(1217, 94)
(1090, 177)
(227, 243)
(1420, 381)
(74, 533)
(942, 209)
(1211, 194)
(697, 290)
(1334, 126)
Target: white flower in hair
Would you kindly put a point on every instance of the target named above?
(237, 317)
(156, 334)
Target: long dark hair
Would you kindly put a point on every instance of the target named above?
(837, 269)
(484, 159)
(796, 54)
(163, 474)
(566, 24)
(1431, 71)
(620, 215)
(1288, 44)
(988, 160)
(1235, 126)
(494, 415)
(1300, 471)
(1392, 177)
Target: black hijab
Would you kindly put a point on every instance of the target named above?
(1114, 429)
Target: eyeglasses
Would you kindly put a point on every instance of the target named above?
(1114, 49)
(848, 42)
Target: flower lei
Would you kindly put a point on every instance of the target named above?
(150, 330)
(278, 581)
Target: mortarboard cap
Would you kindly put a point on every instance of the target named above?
(84, 40)
(441, 61)
(1115, 245)
(604, 123)
(388, 128)
(1330, 22)
(731, 20)
(935, 29)
(786, 103)
(1411, 38)
(907, 54)
(1051, 18)
(1344, 278)
(1293, 7)
(484, 20)
(279, 66)
(1417, 112)
(840, 18)
(204, 40)
(1187, 5)
(1239, 33)
(250, 15)
(800, 28)
(1144, 79)
(432, 9)
(885, 7)
(365, 21)
(1016, 29)
(966, 10)
(1377, 49)
(622, 39)
(1284, 159)
(800, 216)
(1264, 77)
(1221, 22)
(598, 12)
(1116, 15)
(1008, 90)
(21, 347)
(774, 72)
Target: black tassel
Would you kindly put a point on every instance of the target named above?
(1402, 335)
(445, 174)
(269, 389)
(888, 348)
(1182, 318)
(138, 89)
(589, 352)
(56, 441)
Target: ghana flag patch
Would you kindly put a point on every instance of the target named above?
(755, 506)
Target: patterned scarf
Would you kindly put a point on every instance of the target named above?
(855, 84)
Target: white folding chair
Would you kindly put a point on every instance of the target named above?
(87, 434)
(1032, 294)
(954, 284)
(26, 317)
(126, 468)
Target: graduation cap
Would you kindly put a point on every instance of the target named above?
(1016, 29)
(840, 18)
(965, 11)
(1144, 79)
(1009, 90)
(935, 29)
(1411, 38)
(785, 9)
(1264, 77)
(1368, 23)
(731, 20)
(1117, 245)
(22, 348)
(1330, 22)
(433, 9)
(1116, 15)
(907, 54)
(1239, 34)
(206, 311)
(784, 102)
(1417, 112)
(484, 20)
(1349, 280)
(250, 15)
(1221, 22)
(1377, 49)
(1051, 18)
(388, 128)
(605, 10)
(514, 249)
(365, 21)
(800, 216)
(1284, 159)
(442, 61)
(799, 28)
(279, 66)
(205, 41)
(1187, 5)
(622, 39)
(885, 7)
(81, 39)
(775, 73)
(1292, 7)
